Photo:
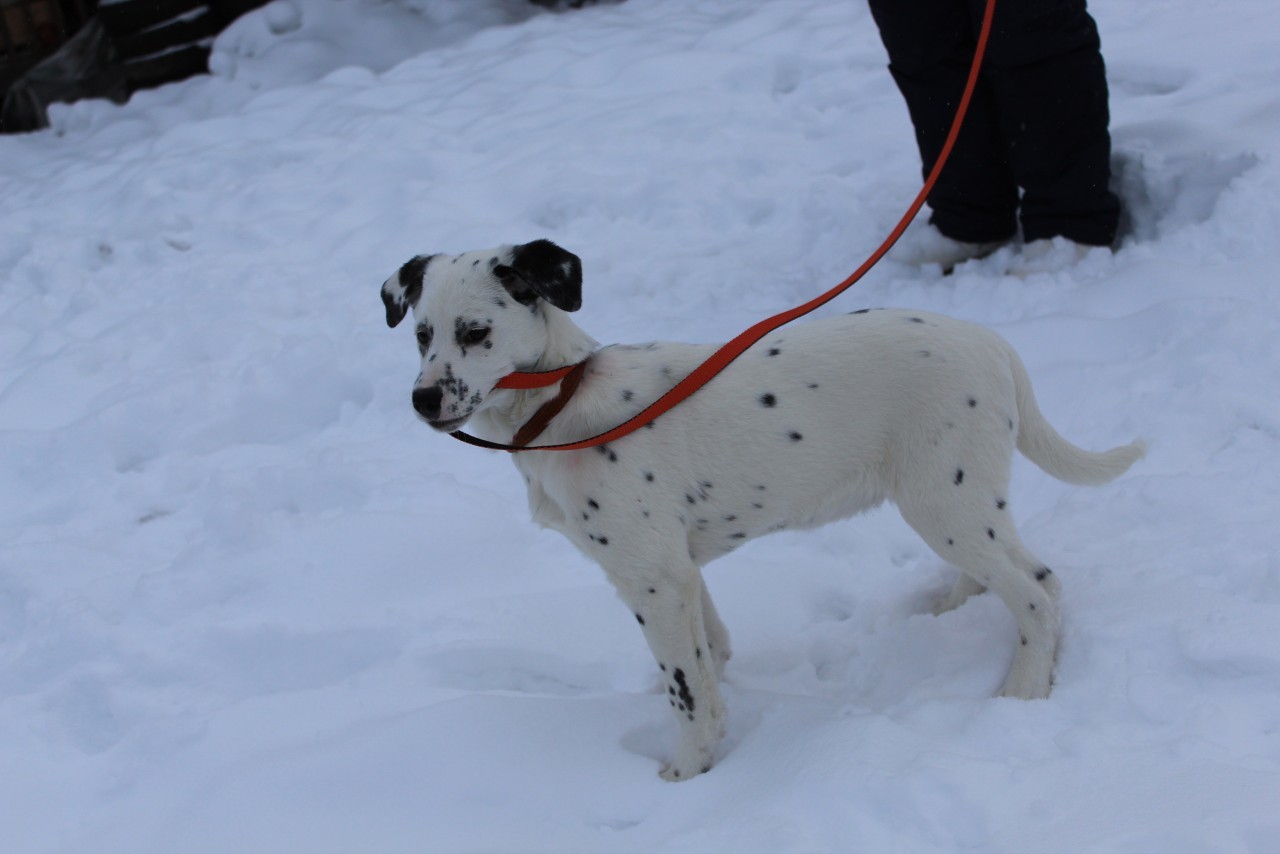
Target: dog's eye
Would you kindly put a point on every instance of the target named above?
(424, 337)
(475, 335)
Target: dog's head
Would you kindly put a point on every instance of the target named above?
(478, 317)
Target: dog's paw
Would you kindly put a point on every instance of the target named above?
(1029, 687)
(965, 587)
(674, 772)
(689, 762)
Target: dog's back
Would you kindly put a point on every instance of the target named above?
(828, 418)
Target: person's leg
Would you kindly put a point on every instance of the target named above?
(1046, 73)
(930, 45)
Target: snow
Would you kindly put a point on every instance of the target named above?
(248, 603)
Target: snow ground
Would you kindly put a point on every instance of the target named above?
(248, 603)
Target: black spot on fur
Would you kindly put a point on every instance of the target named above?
(411, 279)
(730, 518)
(917, 320)
(959, 476)
(950, 541)
(690, 498)
(1044, 573)
(813, 385)
(651, 591)
(738, 536)
(639, 619)
(1024, 640)
(773, 351)
(686, 696)
(627, 395)
(604, 541)
(972, 402)
(768, 400)
(591, 502)
(1001, 503)
(648, 476)
(794, 436)
(991, 533)
(549, 271)
(1031, 605)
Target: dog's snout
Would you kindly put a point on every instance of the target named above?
(427, 402)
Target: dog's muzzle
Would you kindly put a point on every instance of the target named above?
(426, 402)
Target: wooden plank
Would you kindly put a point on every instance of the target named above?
(134, 16)
(167, 67)
(168, 36)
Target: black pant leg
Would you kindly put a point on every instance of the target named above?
(1046, 69)
(930, 45)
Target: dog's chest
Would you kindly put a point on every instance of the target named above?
(777, 442)
(622, 501)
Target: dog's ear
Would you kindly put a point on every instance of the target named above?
(542, 269)
(400, 292)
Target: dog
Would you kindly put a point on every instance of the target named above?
(816, 422)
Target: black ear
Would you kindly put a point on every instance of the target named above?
(401, 291)
(543, 269)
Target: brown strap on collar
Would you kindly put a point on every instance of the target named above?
(533, 428)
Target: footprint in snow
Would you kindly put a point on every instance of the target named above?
(508, 669)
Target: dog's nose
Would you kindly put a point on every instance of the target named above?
(427, 402)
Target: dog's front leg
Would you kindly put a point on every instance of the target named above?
(668, 604)
(717, 635)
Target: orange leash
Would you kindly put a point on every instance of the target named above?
(722, 358)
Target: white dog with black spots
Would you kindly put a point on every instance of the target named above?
(817, 422)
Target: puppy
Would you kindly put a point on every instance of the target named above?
(816, 422)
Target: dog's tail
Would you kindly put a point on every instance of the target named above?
(1043, 445)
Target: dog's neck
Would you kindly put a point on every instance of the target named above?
(506, 410)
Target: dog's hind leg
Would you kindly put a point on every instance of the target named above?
(1034, 603)
(965, 587)
(986, 548)
(670, 604)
